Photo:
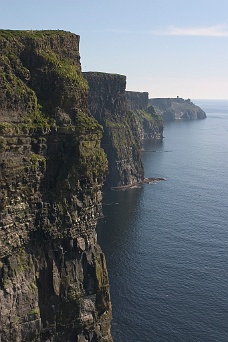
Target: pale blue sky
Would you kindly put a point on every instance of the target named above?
(165, 47)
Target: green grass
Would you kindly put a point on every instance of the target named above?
(35, 311)
(64, 68)
(31, 33)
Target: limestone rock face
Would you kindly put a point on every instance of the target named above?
(53, 276)
(177, 108)
(121, 140)
(149, 125)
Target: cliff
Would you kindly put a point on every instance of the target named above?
(121, 140)
(177, 108)
(53, 277)
(149, 125)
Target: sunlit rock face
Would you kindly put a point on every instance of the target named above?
(53, 276)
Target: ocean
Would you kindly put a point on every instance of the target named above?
(166, 243)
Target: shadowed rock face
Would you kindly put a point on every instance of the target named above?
(121, 139)
(137, 100)
(53, 276)
(177, 108)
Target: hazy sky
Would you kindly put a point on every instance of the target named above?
(166, 47)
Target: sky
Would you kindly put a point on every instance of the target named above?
(167, 48)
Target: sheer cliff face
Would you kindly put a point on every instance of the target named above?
(121, 141)
(53, 277)
(137, 100)
(149, 125)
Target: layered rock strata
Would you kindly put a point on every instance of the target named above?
(53, 276)
(149, 125)
(177, 108)
(121, 140)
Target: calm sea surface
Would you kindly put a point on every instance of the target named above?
(166, 244)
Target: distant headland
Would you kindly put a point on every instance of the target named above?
(177, 108)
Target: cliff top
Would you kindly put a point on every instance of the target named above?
(103, 75)
(33, 33)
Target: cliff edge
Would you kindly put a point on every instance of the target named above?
(53, 276)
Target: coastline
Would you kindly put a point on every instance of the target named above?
(149, 180)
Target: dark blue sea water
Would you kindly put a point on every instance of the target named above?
(166, 244)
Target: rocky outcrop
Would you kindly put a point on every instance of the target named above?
(149, 125)
(121, 140)
(53, 277)
(177, 108)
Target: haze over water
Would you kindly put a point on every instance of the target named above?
(166, 244)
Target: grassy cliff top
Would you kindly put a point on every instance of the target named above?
(33, 33)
